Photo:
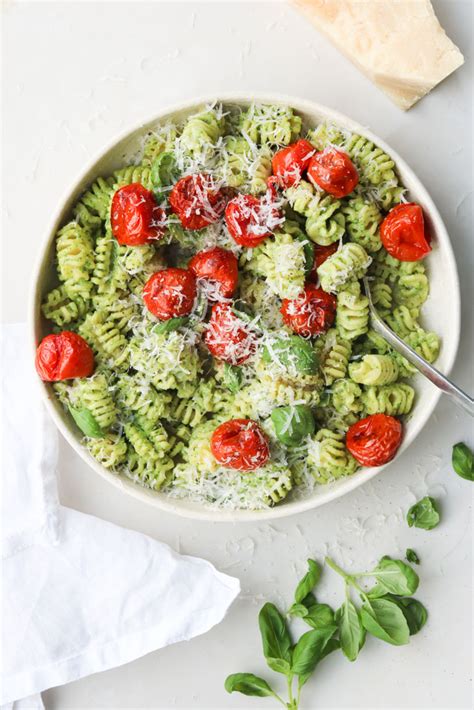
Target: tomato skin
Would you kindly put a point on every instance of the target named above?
(217, 265)
(403, 233)
(197, 201)
(375, 440)
(311, 313)
(320, 255)
(136, 218)
(334, 172)
(289, 163)
(170, 293)
(226, 336)
(63, 356)
(240, 444)
(250, 220)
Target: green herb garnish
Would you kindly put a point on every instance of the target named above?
(424, 514)
(463, 461)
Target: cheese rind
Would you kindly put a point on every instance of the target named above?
(399, 44)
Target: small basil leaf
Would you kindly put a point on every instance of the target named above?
(332, 645)
(293, 423)
(86, 422)
(351, 631)
(424, 514)
(276, 639)
(163, 171)
(394, 577)
(247, 684)
(298, 610)
(293, 354)
(411, 556)
(385, 620)
(310, 650)
(167, 326)
(463, 461)
(414, 613)
(308, 582)
(319, 615)
(308, 248)
(232, 377)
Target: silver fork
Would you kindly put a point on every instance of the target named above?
(435, 376)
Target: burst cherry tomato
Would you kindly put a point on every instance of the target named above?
(250, 220)
(64, 356)
(403, 233)
(320, 255)
(170, 293)
(227, 337)
(219, 266)
(240, 444)
(136, 218)
(374, 440)
(312, 313)
(197, 201)
(334, 171)
(290, 163)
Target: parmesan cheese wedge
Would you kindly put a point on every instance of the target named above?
(399, 44)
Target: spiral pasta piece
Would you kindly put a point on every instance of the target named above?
(346, 397)
(75, 257)
(352, 314)
(328, 457)
(94, 393)
(282, 262)
(349, 263)
(395, 399)
(362, 223)
(336, 359)
(61, 309)
(202, 131)
(106, 339)
(374, 370)
(111, 451)
(137, 395)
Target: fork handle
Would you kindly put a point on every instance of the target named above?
(435, 376)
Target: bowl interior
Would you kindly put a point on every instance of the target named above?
(440, 313)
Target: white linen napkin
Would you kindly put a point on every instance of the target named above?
(80, 595)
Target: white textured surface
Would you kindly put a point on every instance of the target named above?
(77, 74)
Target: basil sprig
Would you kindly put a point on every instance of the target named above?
(463, 461)
(86, 422)
(424, 514)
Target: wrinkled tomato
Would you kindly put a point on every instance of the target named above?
(375, 440)
(334, 172)
(136, 218)
(63, 356)
(251, 220)
(197, 200)
(240, 444)
(170, 293)
(311, 313)
(403, 233)
(227, 336)
(290, 163)
(218, 266)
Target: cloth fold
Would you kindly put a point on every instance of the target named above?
(80, 595)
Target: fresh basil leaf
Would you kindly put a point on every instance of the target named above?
(294, 354)
(308, 582)
(385, 620)
(293, 423)
(86, 422)
(310, 650)
(394, 577)
(415, 614)
(164, 171)
(424, 514)
(332, 645)
(411, 556)
(463, 461)
(351, 631)
(298, 610)
(319, 615)
(167, 326)
(232, 377)
(308, 249)
(248, 684)
(276, 639)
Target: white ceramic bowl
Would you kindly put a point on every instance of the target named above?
(441, 312)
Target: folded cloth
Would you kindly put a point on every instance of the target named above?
(80, 595)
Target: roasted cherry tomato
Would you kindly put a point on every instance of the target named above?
(64, 356)
(250, 220)
(334, 172)
(320, 255)
(403, 233)
(136, 218)
(219, 266)
(227, 337)
(311, 313)
(374, 440)
(170, 293)
(240, 444)
(290, 163)
(197, 201)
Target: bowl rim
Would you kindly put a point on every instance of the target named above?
(182, 507)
